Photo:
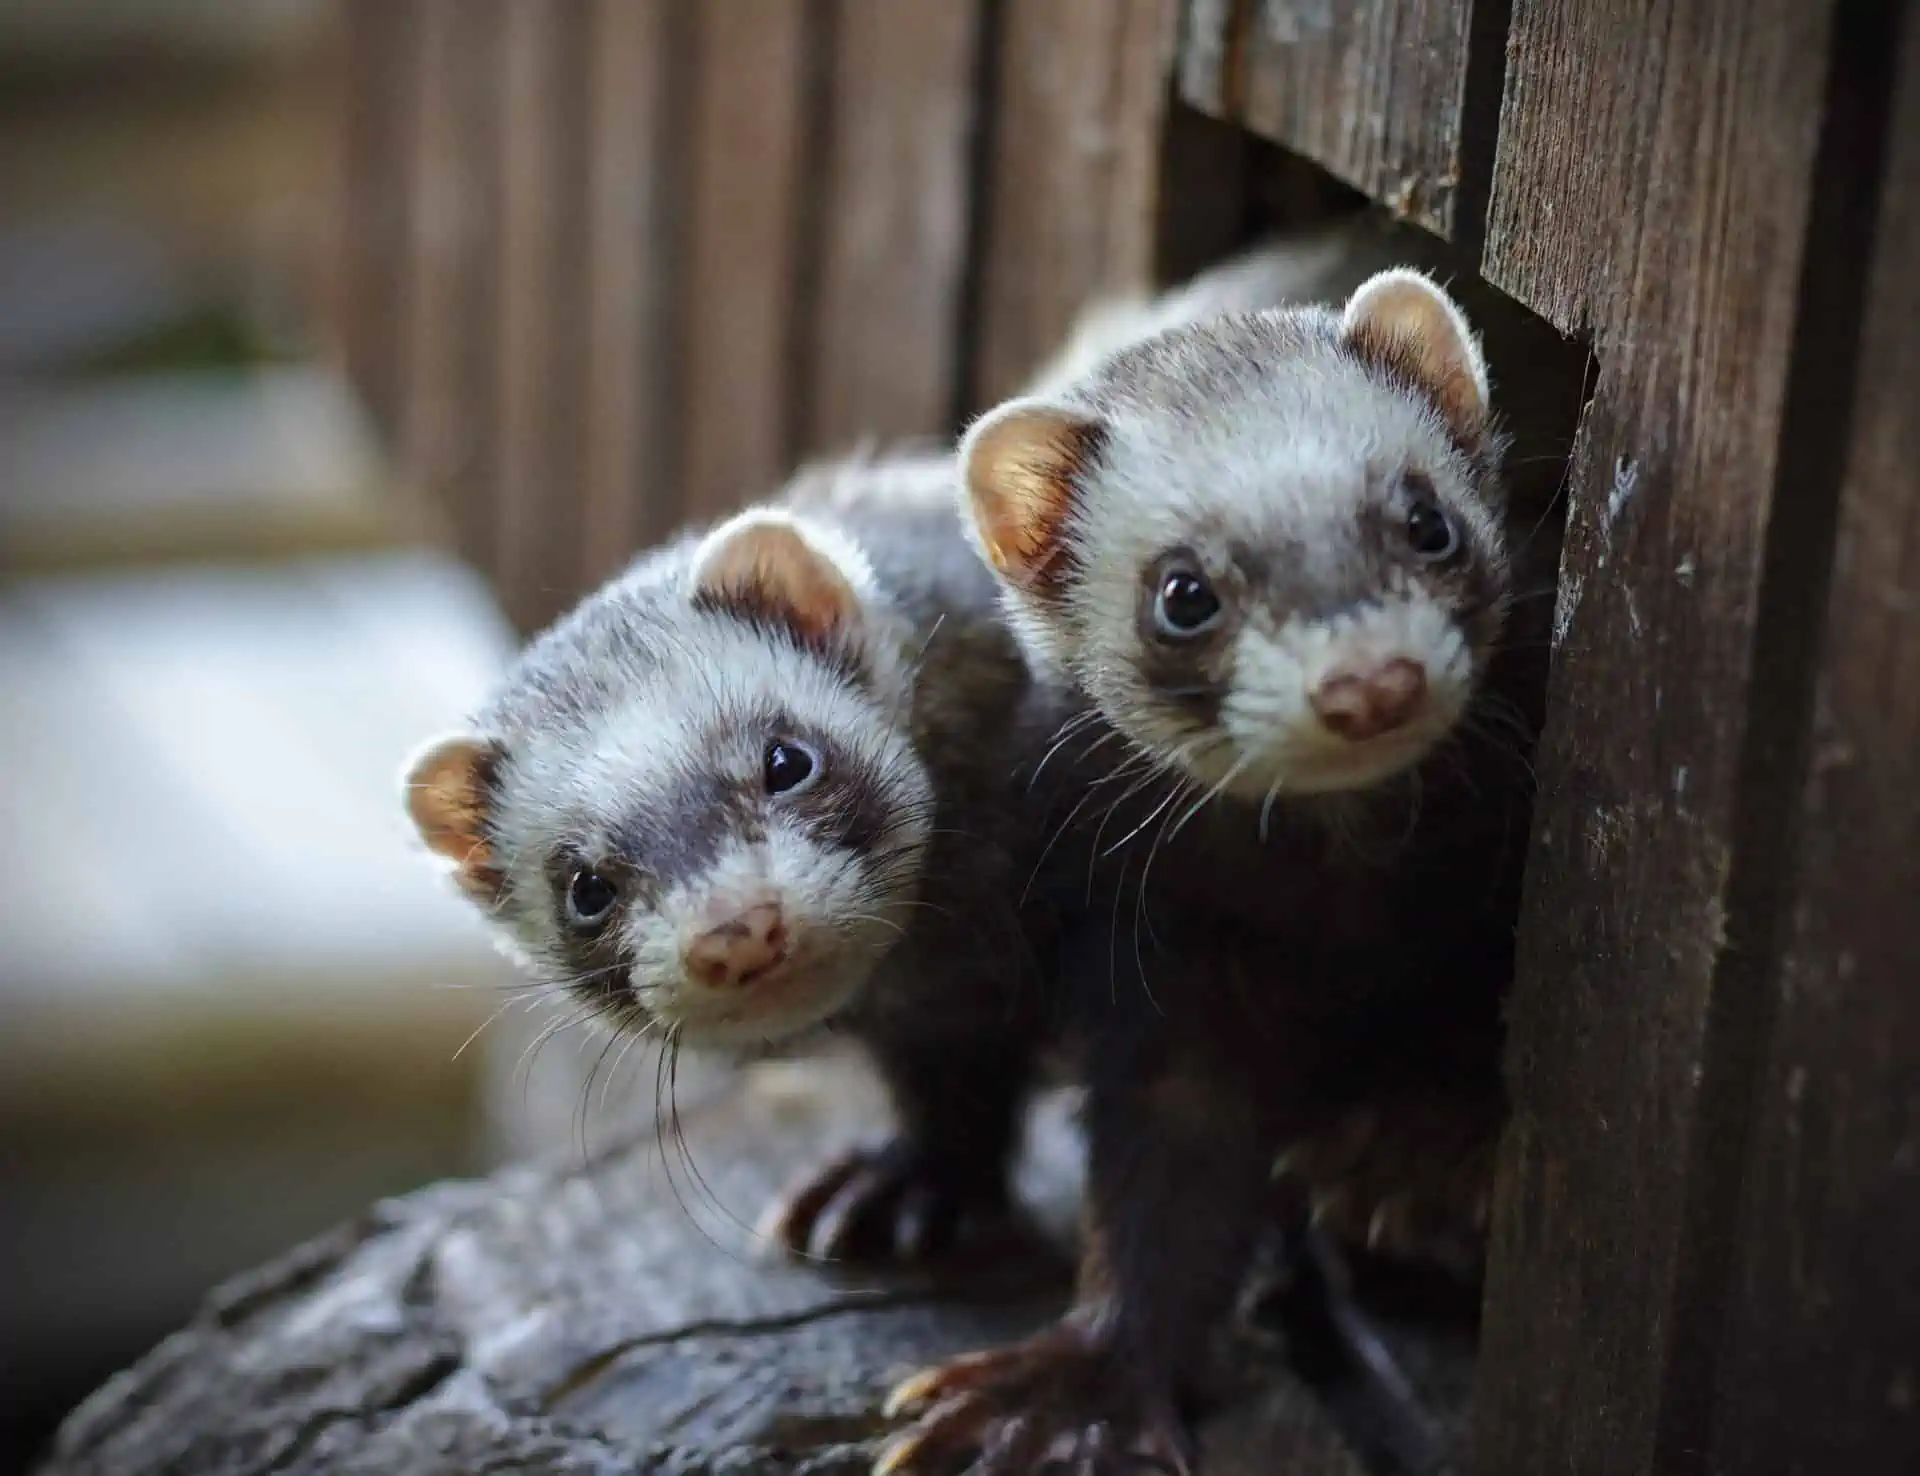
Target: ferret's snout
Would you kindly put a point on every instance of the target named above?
(740, 947)
(1357, 705)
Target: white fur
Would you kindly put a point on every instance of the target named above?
(699, 712)
(1284, 455)
(1276, 736)
(838, 933)
(822, 538)
(914, 479)
(1280, 271)
(1377, 295)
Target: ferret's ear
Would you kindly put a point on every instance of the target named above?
(1022, 465)
(767, 565)
(1400, 321)
(448, 788)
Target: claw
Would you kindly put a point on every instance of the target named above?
(1326, 1205)
(1060, 1398)
(850, 1222)
(1013, 1449)
(789, 1221)
(1166, 1450)
(1391, 1224)
(1092, 1452)
(897, 1455)
(913, 1392)
(877, 1204)
(956, 1376)
(942, 1431)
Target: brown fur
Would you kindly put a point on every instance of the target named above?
(766, 570)
(447, 798)
(1406, 333)
(1244, 989)
(1021, 482)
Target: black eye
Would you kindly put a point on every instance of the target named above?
(786, 766)
(1430, 532)
(1186, 604)
(590, 897)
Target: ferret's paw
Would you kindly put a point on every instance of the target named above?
(1407, 1180)
(896, 1202)
(1056, 1402)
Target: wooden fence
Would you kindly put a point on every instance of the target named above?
(610, 265)
(613, 264)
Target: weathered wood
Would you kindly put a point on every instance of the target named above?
(609, 1317)
(1383, 93)
(447, 345)
(648, 255)
(1073, 161)
(630, 268)
(878, 356)
(1820, 1351)
(377, 54)
(1659, 186)
(541, 308)
(749, 141)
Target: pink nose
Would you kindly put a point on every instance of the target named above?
(740, 949)
(1365, 704)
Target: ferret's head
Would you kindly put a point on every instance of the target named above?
(1268, 547)
(695, 804)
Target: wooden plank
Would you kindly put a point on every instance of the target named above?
(1821, 1346)
(540, 307)
(880, 354)
(377, 58)
(1662, 184)
(628, 503)
(447, 397)
(1073, 173)
(1389, 95)
(749, 124)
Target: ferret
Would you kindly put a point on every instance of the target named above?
(772, 778)
(1265, 551)
(1406, 1171)
(763, 782)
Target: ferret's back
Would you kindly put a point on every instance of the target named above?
(901, 510)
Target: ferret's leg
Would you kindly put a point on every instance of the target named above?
(1334, 1348)
(1407, 1172)
(957, 1106)
(1177, 1177)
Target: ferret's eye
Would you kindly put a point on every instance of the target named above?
(590, 897)
(1186, 604)
(1430, 532)
(786, 766)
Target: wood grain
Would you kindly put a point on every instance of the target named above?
(749, 136)
(446, 445)
(595, 1317)
(541, 308)
(1072, 173)
(893, 168)
(631, 266)
(1820, 1350)
(1658, 186)
(378, 59)
(1380, 92)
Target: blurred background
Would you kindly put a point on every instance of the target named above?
(230, 996)
(341, 345)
